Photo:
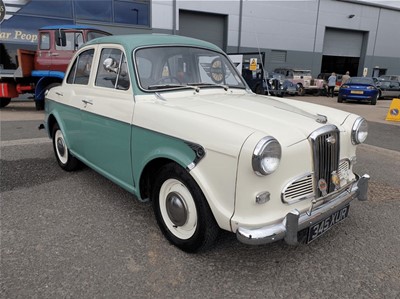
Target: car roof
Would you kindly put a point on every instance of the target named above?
(135, 41)
(67, 26)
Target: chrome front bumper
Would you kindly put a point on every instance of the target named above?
(296, 221)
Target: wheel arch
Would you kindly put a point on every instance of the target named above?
(42, 85)
(148, 175)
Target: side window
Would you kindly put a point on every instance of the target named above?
(80, 71)
(74, 40)
(44, 41)
(113, 70)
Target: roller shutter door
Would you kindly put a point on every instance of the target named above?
(205, 26)
(345, 43)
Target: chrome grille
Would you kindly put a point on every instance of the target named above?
(325, 144)
(298, 189)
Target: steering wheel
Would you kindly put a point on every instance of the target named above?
(169, 79)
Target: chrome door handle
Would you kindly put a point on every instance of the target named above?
(54, 54)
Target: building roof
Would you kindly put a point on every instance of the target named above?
(142, 40)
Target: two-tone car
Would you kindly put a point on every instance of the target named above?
(170, 119)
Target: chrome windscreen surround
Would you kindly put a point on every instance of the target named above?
(325, 145)
(298, 189)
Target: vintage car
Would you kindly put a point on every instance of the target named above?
(266, 83)
(170, 119)
(389, 89)
(359, 89)
(304, 81)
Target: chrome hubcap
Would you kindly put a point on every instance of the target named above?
(176, 209)
(60, 147)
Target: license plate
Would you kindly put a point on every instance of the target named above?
(324, 225)
(356, 91)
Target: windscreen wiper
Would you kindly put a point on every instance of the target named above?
(170, 86)
(202, 84)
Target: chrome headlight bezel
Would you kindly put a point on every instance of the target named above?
(266, 156)
(359, 132)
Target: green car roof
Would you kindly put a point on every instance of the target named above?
(131, 42)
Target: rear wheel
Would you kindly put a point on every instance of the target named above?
(63, 155)
(4, 102)
(182, 211)
(374, 100)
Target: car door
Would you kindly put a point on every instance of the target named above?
(394, 89)
(107, 116)
(74, 91)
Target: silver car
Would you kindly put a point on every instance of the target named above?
(389, 89)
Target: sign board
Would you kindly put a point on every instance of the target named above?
(365, 72)
(253, 64)
(394, 111)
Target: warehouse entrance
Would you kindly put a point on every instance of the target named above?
(340, 64)
(343, 50)
(206, 26)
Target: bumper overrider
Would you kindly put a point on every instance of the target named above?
(295, 221)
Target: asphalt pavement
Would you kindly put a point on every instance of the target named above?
(78, 235)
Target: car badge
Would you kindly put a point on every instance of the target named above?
(331, 139)
(322, 186)
(322, 119)
(335, 179)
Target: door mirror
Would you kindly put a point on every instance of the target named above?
(61, 39)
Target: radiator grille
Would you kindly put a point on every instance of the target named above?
(325, 143)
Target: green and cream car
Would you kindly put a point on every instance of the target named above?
(169, 119)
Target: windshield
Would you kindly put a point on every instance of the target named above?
(361, 80)
(184, 67)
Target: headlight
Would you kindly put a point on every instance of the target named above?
(266, 156)
(371, 87)
(359, 131)
(344, 86)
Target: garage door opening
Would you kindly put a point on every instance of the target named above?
(340, 64)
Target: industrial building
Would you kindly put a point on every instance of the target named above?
(321, 35)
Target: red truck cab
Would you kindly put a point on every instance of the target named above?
(57, 45)
(39, 70)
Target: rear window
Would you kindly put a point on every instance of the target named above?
(361, 80)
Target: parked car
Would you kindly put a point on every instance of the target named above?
(390, 77)
(169, 119)
(389, 89)
(304, 80)
(260, 83)
(279, 85)
(359, 89)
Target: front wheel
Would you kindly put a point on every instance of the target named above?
(4, 102)
(301, 90)
(182, 211)
(63, 155)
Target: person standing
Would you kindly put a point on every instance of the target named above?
(345, 78)
(331, 85)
